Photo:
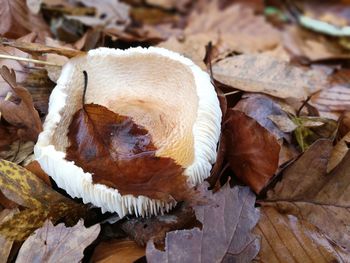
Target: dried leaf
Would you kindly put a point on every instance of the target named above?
(16, 20)
(284, 123)
(261, 73)
(26, 189)
(35, 168)
(311, 194)
(23, 115)
(240, 29)
(121, 154)
(18, 151)
(287, 239)
(38, 49)
(225, 235)
(110, 14)
(253, 152)
(58, 243)
(121, 251)
(5, 243)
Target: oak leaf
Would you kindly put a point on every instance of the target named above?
(120, 154)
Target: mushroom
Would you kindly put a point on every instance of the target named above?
(161, 90)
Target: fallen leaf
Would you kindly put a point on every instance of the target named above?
(287, 239)
(38, 49)
(238, 26)
(110, 14)
(58, 243)
(309, 193)
(338, 152)
(332, 100)
(16, 20)
(5, 243)
(141, 230)
(252, 151)
(260, 107)
(35, 168)
(26, 189)
(225, 235)
(120, 154)
(261, 73)
(18, 151)
(24, 115)
(170, 4)
(283, 122)
(121, 251)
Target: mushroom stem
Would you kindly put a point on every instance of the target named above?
(29, 60)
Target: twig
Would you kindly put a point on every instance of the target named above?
(29, 60)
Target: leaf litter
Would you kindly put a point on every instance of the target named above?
(284, 134)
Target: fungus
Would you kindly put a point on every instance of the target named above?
(160, 97)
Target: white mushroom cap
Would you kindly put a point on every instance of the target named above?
(161, 90)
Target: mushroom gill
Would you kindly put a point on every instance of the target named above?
(160, 90)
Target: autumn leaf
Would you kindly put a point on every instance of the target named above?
(120, 154)
(287, 239)
(16, 20)
(26, 189)
(308, 192)
(58, 243)
(252, 151)
(265, 74)
(338, 153)
(121, 251)
(5, 243)
(225, 235)
(24, 115)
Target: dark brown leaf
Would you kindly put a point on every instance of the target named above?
(58, 243)
(5, 243)
(253, 152)
(224, 237)
(23, 115)
(120, 154)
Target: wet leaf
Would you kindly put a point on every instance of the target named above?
(287, 239)
(120, 154)
(121, 251)
(225, 235)
(58, 243)
(22, 115)
(309, 193)
(262, 73)
(26, 189)
(252, 151)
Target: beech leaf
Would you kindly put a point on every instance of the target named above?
(120, 154)
(265, 74)
(225, 235)
(58, 243)
(287, 239)
(252, 151)
(309, 193)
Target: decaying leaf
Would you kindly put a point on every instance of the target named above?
(120, 154)
(225, 235)
(311, 194)
(22, 115)
(287, 239)
(58, 243)
(262, 73)
(121, 251)
(338, 152)
(18, 151)
(41, 201)
(5, 243)
(109, 14)
(240, 29)
(16, 20)
(252, 151)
